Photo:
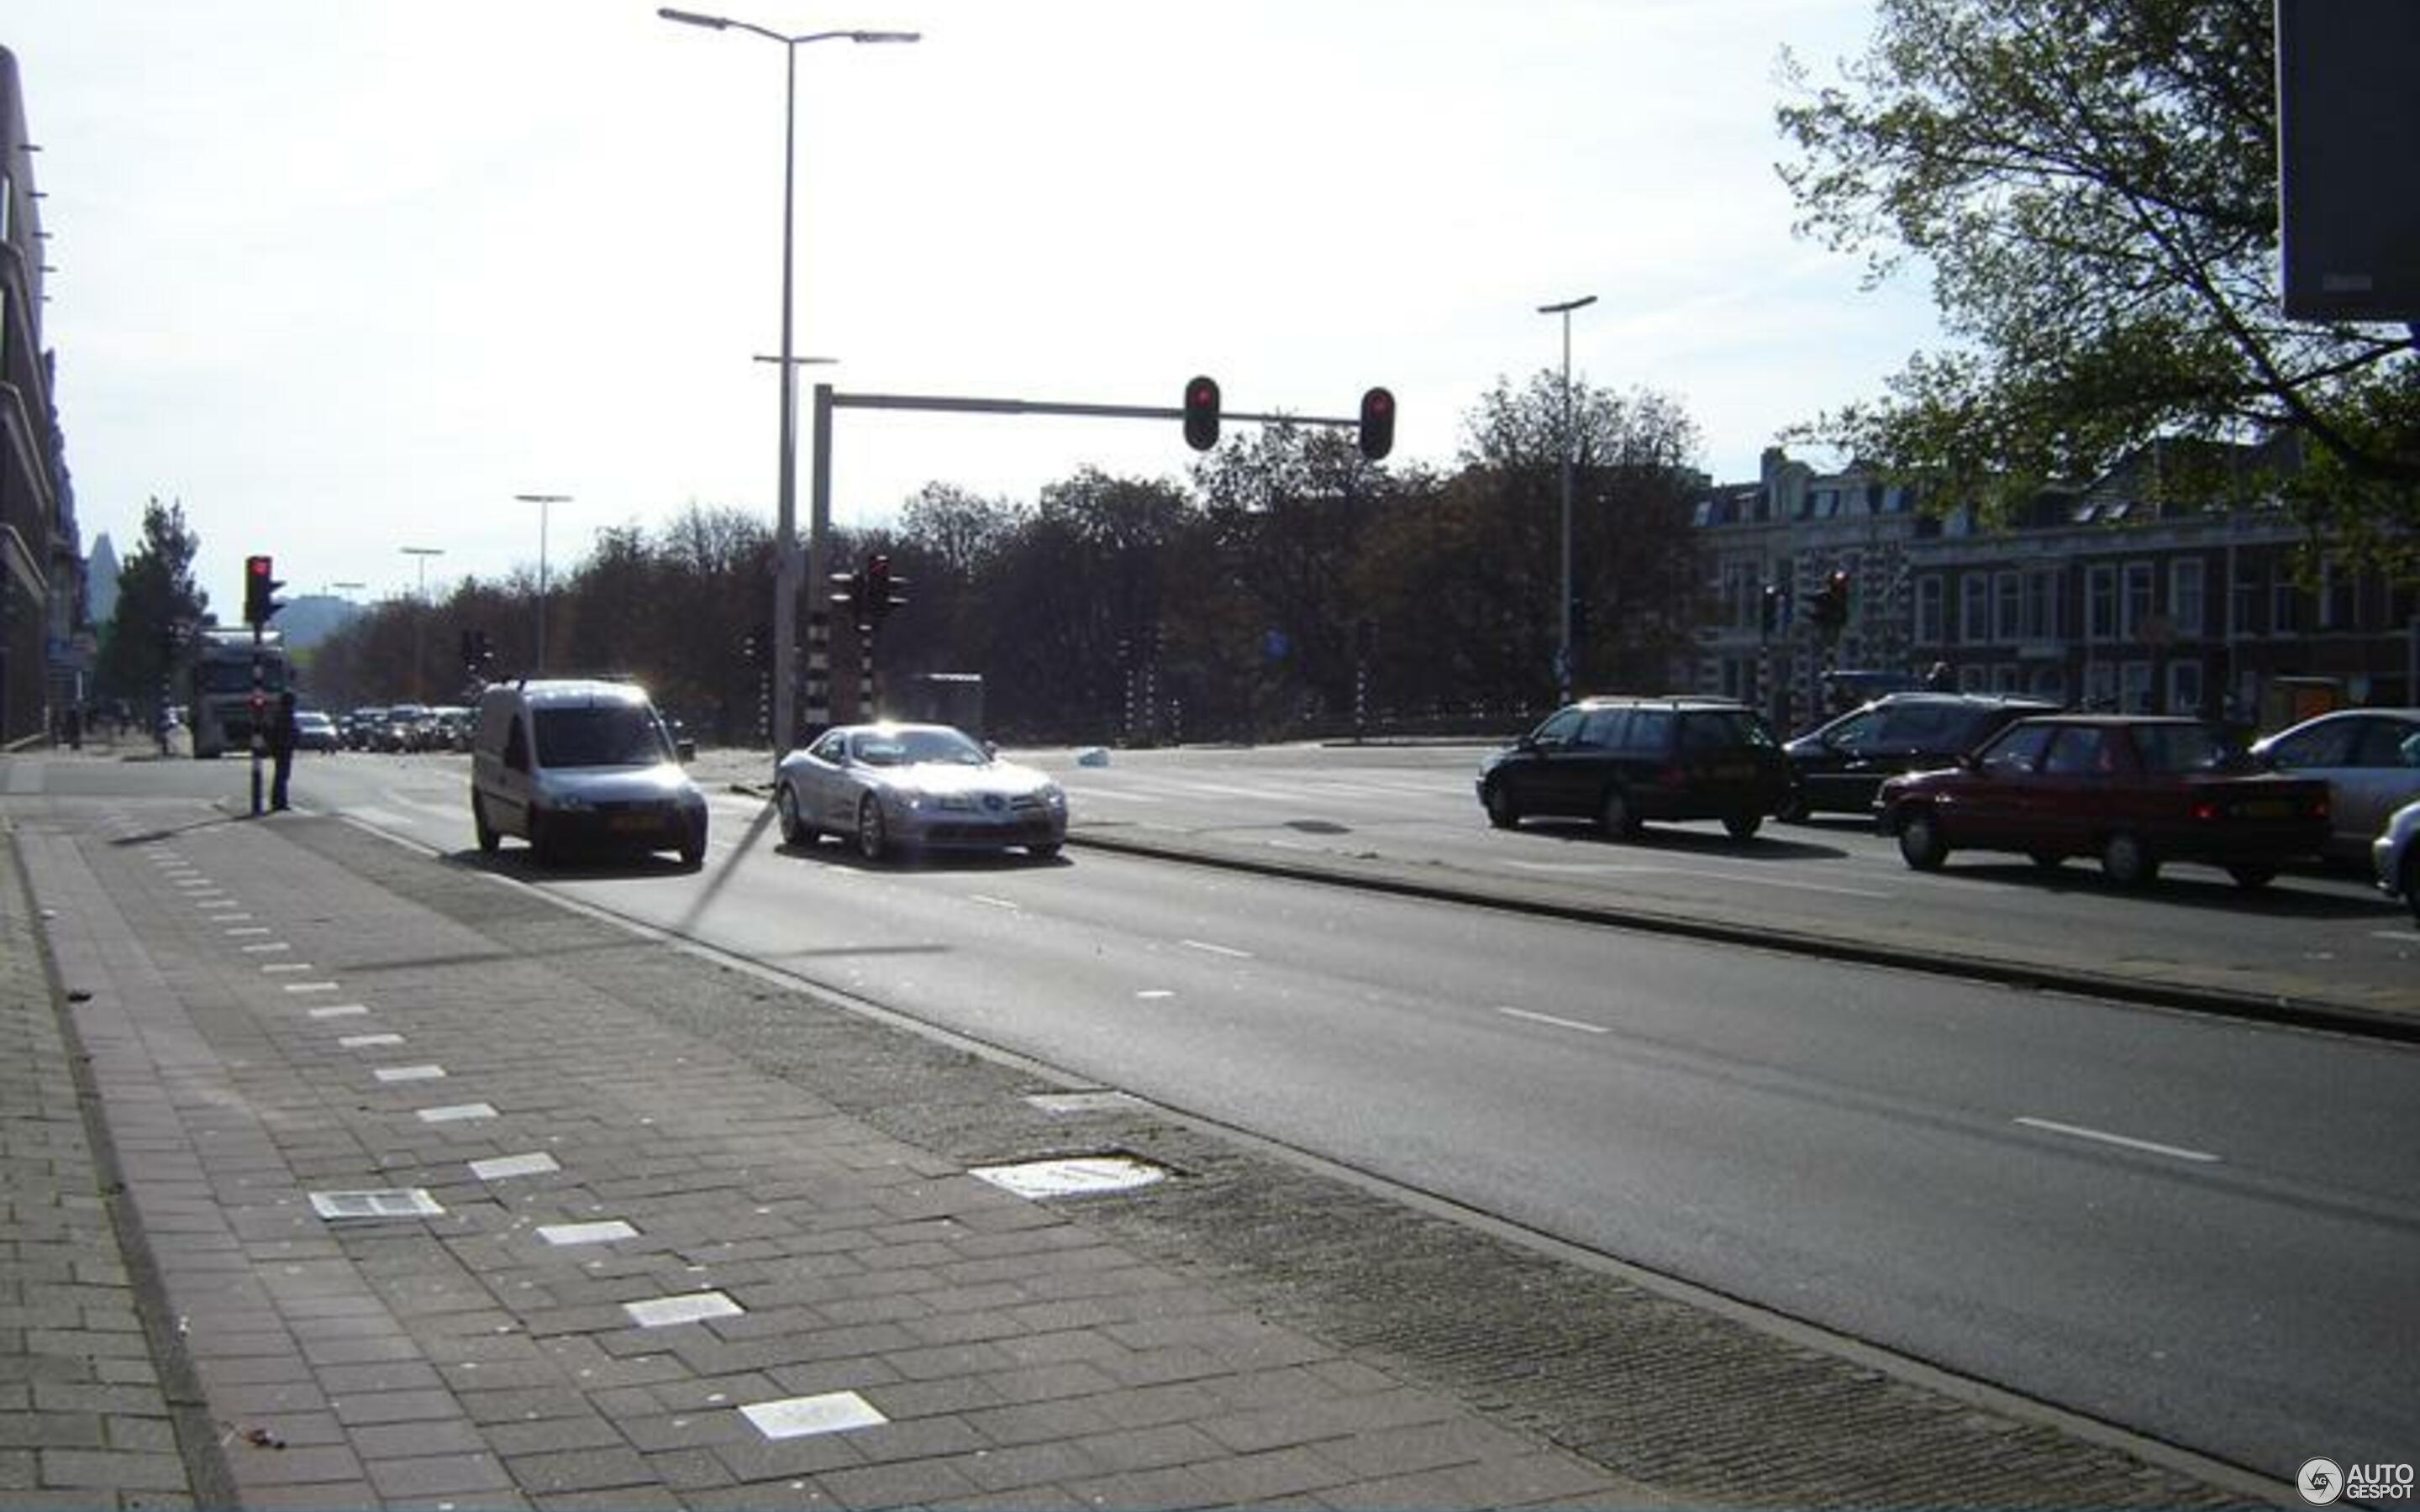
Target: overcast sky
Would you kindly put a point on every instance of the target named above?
(345, 276)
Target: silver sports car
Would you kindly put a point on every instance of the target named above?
(908, 786)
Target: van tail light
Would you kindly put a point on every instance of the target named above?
(2205, 810)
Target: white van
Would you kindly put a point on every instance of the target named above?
(570, 762)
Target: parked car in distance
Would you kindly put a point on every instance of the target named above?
(1624, 760)
(315, 731)
(567, 762)
(2394, 857)
(2369, 758)
(362, 727)
(892, 787)
(2136, 791)
(1839, 767)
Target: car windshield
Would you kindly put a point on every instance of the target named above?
(920, 748)
(2186, 748)
(611, 735)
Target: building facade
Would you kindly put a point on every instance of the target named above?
(2099, 597)
(41, 611)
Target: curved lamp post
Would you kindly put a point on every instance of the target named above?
(785, 579)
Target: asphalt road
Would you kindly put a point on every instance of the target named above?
(2197, 1229)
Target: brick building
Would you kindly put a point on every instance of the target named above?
(2101, 596)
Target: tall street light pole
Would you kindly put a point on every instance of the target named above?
(419, 618)
(1565, 659)
(786, 565)
(542, 500)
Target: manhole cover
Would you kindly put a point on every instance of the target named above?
(1081, 1175)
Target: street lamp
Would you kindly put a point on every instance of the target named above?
(420, 621)
(542, 500)
(1563, 655)
(785, 579)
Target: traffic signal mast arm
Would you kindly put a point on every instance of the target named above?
(1038, 406)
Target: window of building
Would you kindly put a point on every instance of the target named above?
(2185, 596)
(2285, 599)
(2140, 605)
(2101, 686)
(2042, 603)
(2135, 687)
(2184, 686)
(1930, 631)
(2101, 602)
(2007, 606)
(1975, 608)
(2339, 597)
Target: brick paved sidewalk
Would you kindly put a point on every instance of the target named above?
(874, 1326)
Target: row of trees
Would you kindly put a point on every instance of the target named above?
(1291, 579)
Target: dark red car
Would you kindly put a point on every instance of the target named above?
(2134, 791)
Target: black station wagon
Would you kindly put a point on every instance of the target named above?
(1623, 761)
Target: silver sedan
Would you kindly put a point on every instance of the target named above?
(892, 787)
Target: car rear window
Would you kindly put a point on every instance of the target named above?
(1712, 729)
(2185, 748)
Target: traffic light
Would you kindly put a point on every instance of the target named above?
(1769, 606)
(1832, 602)
(1377, 423)
(881, 589)
(1201, 413)
(849, 588)
(259, 592)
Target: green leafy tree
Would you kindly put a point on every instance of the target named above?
(2094, 186)
(156, 596)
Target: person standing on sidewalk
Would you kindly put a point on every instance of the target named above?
(281, 747)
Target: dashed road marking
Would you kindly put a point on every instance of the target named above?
(1552, 1021)
(2122, 1141)
(1227, 950)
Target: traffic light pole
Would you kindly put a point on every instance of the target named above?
(259, 709)
(818, 573)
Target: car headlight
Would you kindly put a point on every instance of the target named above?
(908, 798)
(1055, 795)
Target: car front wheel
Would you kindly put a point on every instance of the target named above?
(794, 828)
(873, 834)
(2127, 861)
(1921, 844)
(1501, 810)
(1621, 821)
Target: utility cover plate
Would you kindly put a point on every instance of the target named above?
(394, 1202)
(1082, 1176)
(503, 1166)
(586, 1233)
(1073, 1103)
(797, 1417)
(695, 1307)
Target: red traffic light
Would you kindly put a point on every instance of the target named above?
(1377, 423)
(1202, 414)
(260, 589)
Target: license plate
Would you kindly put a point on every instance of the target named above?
(2266, 809)
(632, 822)
(1734, 773)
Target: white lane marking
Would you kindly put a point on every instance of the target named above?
(1553, 1022)
(1008, 903)
(2123, 1142)
(1153, 994)
(249, 928)
(1216, 949)
(2401, 937)
(266, 948)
